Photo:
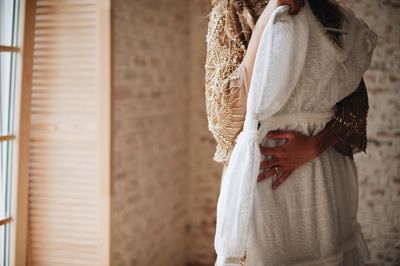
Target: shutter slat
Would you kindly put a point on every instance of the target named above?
(62, 3)
(64, 9)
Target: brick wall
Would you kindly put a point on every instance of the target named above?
(205, 174)
(379, 169)
(149, 159)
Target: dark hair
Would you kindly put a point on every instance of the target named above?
(329, 14)
(326, 11)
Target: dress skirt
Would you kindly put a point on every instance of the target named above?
(311, 218)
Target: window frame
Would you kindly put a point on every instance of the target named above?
(13, 48)
(23, 49)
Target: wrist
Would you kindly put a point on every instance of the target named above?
(324, 140)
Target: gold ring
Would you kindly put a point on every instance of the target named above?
(276, 171)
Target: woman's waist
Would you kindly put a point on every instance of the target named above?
(309, 123)
(299, 117)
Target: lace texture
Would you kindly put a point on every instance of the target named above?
(225, 101)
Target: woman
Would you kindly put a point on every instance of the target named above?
(311, 219)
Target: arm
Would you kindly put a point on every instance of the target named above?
(349, 123)
(298, 150)
(346, 132)
(225, 100)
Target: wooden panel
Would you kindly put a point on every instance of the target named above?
(68, 173)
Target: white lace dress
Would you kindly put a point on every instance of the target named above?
(310, 219)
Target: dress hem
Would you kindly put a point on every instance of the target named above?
(357, 243)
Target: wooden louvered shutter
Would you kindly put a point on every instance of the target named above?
(69, 164)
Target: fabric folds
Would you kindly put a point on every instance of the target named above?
(281, 54)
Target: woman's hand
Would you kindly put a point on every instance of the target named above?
(295, 5)
(298, 150)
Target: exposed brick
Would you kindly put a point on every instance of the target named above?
(150, 124)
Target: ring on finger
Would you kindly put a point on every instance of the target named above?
(277, 171)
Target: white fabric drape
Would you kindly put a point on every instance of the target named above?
(279, 62)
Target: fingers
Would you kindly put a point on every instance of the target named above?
(269, 163)
(295, 5)
(265, 175)
(294, 9)
(276, 183)
(270, 150)
(260, 177)
(278, 134)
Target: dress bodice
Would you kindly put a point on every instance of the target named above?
(331, 72)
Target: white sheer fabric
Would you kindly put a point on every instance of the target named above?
(298, 77)
(237, 188)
